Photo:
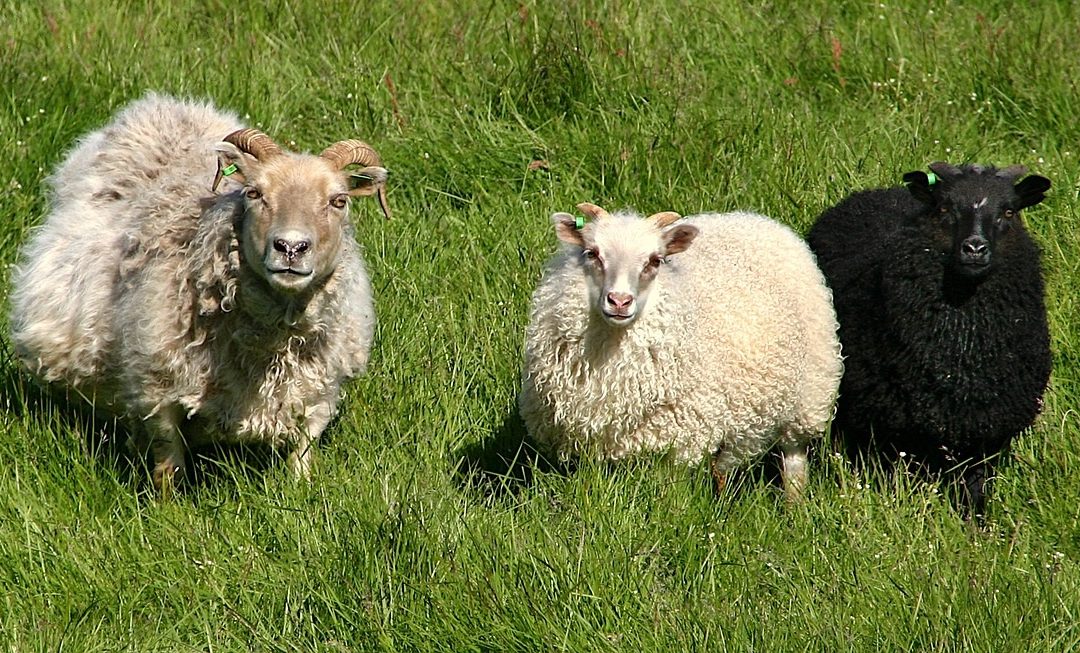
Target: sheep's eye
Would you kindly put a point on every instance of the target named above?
(589, 254)
(1010, 214)
(252, 193)
(654, 262)
(339, 201)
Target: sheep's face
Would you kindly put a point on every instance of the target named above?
(972, 212)
(295, 210)
(621, 257)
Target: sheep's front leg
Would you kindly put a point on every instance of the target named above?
(793, 470)
(168, 449)
(300, 456)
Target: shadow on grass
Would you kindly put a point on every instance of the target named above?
(110, 441)
(505, 463)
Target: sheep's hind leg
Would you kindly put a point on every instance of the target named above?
(793, 472)
(168, 450)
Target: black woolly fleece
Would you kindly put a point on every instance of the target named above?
(937, 366)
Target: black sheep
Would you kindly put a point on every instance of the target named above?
(939, 293)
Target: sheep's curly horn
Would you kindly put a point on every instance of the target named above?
(255, 143)
(345, 153)
(664, 219)
(592, 211)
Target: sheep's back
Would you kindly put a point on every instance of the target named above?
(136, 178)
(768, 315)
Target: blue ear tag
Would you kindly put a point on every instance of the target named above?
(931, 178)
(579, 222)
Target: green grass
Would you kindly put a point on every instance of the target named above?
(416, 532)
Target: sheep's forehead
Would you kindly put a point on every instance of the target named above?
(625, 235)
(301, 173)
(980, 192)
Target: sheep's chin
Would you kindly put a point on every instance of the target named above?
(288, 282)
(618, 321)
(973, 271)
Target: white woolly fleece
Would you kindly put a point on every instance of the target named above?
(735, 352)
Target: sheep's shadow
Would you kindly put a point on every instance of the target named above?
(505, 463)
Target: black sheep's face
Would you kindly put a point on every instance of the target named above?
(973, 212)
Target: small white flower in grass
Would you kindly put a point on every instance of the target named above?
(949, 103)
(903, 454)
(1041, 160)
(348, 96)
(426, 155)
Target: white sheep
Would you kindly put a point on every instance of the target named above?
(713, 335)
(200, 316)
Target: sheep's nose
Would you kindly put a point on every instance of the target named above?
(620, 300)
(975, 249)
(292, 245)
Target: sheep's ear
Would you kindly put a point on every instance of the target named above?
(1032, 190)
(918, 183)
(366, 181)
(678, 238)
(232, 163)
(566, 228)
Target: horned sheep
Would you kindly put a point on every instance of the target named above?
(939, 293)
(709, 336)
(200, 315)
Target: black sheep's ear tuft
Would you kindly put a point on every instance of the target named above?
(1032, 190)
(918, 182)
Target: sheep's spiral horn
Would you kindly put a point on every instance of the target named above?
(352, 151)
(255, 143)
(665, 218)
(345, 153)
(592, 211)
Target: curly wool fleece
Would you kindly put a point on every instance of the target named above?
(735, 352)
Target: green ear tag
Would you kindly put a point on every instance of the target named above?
(229, 169)
(579, 222)
(931, 178)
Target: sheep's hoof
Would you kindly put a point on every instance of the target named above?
(719, 478)
(166, 476)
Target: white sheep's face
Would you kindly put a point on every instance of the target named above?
(621, 256)
(296, 208)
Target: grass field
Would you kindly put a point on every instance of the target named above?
(423, 528)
